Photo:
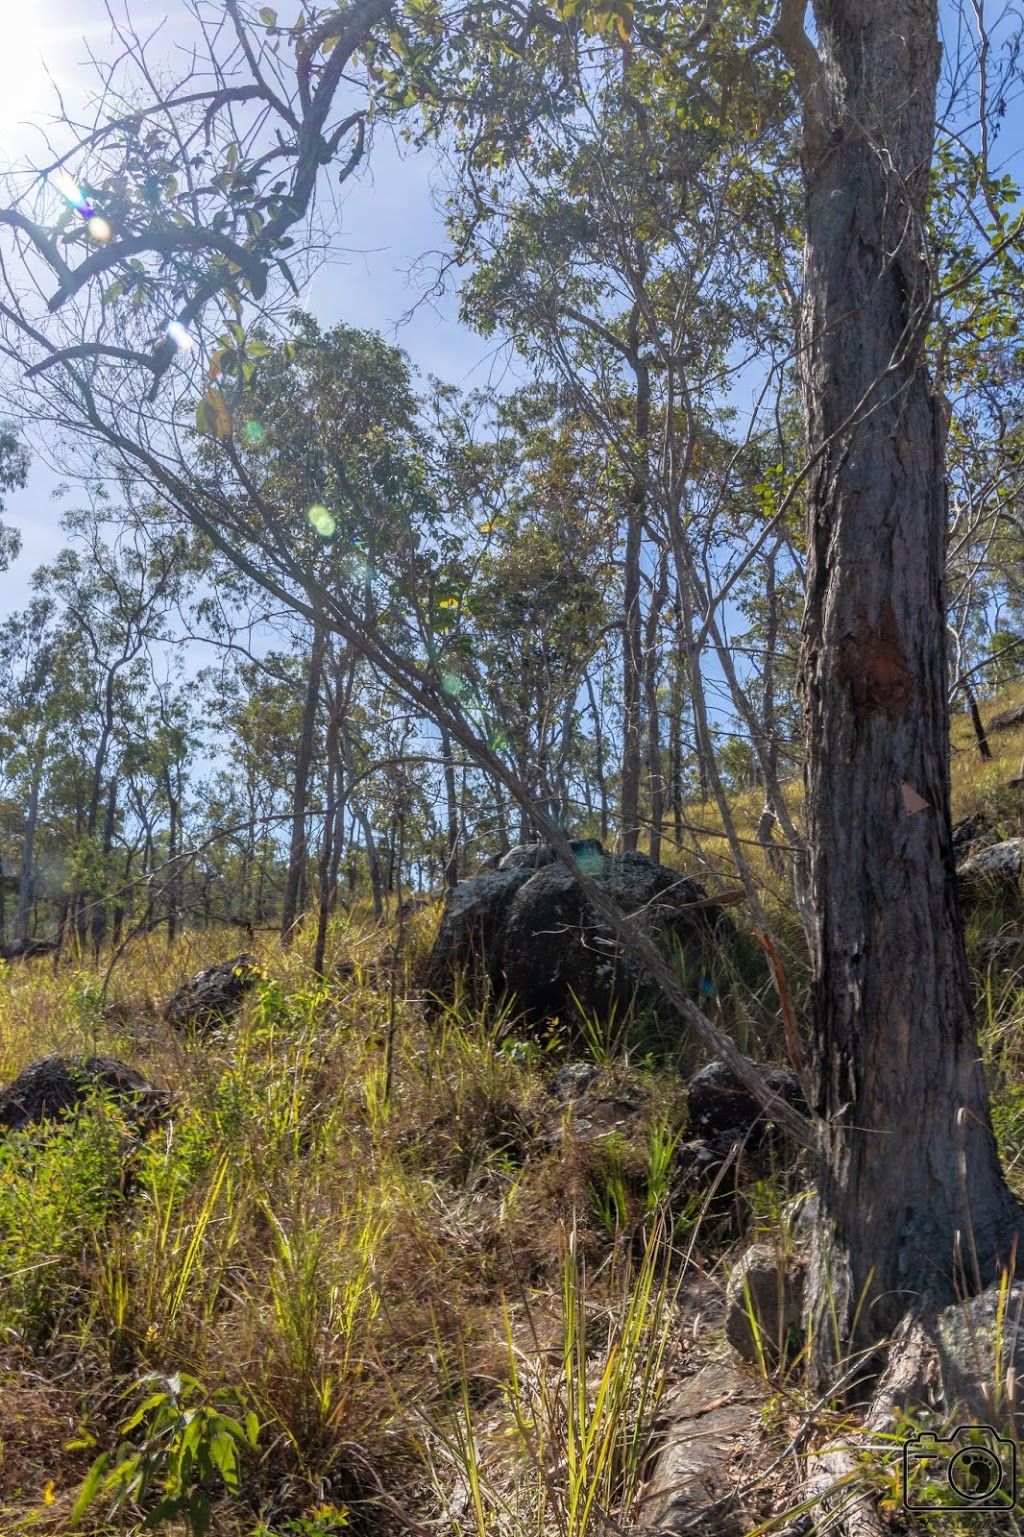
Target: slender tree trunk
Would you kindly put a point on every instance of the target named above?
(28, 845)
(451, 854)
(328, 848)
(303, 762)
(632, 618)
(602, 783)
(652, 657)
(976, 721)
(912, 1196)
(173, 875)
(98, 926)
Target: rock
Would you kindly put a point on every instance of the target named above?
(974, 1354)
(525, 930)
(1007, 719)
(527, 856)
(574, 1079)
(720, 1107)
(213, 995)
(469, 937)
(707, 1427)
(26, 949)
(1003, 952)
(763, 1303)
(972, 833)
(55, 1086)
(590, 1119)
(993, 871)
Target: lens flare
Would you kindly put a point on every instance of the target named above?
(179, 336)
(68, 188)
(254, 433)
(453, 685)
(322, 521)
(99, 229)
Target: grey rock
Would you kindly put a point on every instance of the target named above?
(55, 1086)
(974, 1353)
(526, 931)
(763, 1302)
(972, 833)
(1006, 719)
(720, 1106)
(707, 1425)
(527, 856)
(994, 870)
(574, 1079)
(213, 995)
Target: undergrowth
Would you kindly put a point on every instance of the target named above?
(371, 1275)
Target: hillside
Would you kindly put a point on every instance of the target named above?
(374, 1275)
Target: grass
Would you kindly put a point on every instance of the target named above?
(424, 1296)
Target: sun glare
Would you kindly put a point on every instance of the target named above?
(42, 42)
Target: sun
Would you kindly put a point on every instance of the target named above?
(41, 47)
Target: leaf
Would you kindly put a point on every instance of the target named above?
(289, 275)
(213, 418)
(90, 1488)
(268, 16)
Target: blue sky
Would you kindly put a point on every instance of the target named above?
(388, 223)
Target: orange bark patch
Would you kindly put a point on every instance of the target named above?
(873, 667)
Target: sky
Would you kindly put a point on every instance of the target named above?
(389, 222)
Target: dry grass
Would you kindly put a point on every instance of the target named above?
(448, 1306)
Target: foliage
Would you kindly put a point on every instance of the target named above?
(191, 1444)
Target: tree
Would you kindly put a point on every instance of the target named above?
(912, 1199)
(907, 1159)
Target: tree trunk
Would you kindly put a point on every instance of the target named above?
(652, 657)
(912, 1196)
(602, 783)
(451, 853)
(976, 721)
(304, 759)
(632, 628)
(28, 846)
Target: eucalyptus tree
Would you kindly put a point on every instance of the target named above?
(906, 1158)
(644, 245)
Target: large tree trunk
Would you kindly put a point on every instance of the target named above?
(913, 1199)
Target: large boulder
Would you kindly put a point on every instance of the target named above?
(55, 1086)
(213, 995)
(994, 871)
(526, 931)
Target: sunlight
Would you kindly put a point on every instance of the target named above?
(39, 39)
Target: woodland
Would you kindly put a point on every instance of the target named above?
(724, 569)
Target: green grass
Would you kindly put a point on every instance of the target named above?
(381, 1249)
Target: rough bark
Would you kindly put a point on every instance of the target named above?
(913, 1198)
(303, 763)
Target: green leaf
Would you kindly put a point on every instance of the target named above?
(90, 1488)
(289, 274)
(268, 16)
